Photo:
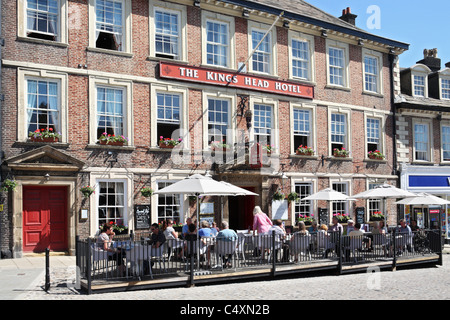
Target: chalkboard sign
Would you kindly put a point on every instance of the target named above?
(142, 216)
(360, 215)
(323, 216)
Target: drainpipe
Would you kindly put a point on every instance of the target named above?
(394, 120)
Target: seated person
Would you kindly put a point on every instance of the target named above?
(204, 231)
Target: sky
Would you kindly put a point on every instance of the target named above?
(421, 24)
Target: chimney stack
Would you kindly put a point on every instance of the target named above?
(431, 60)
(347, 16)
(447, 65)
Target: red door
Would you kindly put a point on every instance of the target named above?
(44, 218)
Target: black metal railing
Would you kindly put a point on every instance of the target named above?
(134, 257)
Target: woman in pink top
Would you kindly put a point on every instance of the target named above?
(261, 221)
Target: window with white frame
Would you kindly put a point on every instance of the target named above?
(445, 89)
(445, 133)
(109, 24)
(169, 206)
(421, 142)
(43, 19)
(371, 70)
(168, 114)
(261, 59)
(218, 120)
(340, 207)
(111, 203)
(338, 131)
(373, 133)
(167, 33)
(110, 111)
(300, 59)
(262, 124)
(374, 205)
(217, 43)
(336, 61)
(419, 85)
(304, 208)
(302, 127)
(43, 105)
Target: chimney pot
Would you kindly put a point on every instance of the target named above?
(347, 16)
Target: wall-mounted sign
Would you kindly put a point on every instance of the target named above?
(234, 80)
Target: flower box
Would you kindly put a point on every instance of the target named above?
(162, 145)
(111, 143)
(44, 135)
(376, 155)
(48, 139)
(304, 151)
(168, 143)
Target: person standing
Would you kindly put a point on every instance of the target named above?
(261, 222)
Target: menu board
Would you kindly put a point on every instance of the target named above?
(142, 216)
(323, 216)
(360, 215)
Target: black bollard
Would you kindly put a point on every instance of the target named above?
(47, 269)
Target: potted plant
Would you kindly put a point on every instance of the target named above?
(377, 216)
(219, 146)
(168, 142)
(340, 153)
(112, 140)
(304, 151)
(147, 191)
(375, 155)
(178, 227)
(44, 135)
(293, 196)
(278, 196)
(8, 185)
(87, 191)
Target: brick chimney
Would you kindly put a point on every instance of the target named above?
(347, 16)
(431, 60)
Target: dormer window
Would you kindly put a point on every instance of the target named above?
(445, 88)
(419, 85)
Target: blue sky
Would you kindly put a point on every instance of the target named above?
(421, 24)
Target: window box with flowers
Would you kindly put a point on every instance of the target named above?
(340, 153)
(168, 143)
(44, 135)
(308, 220)
(112, 140)
(219, 146)
(304, 151)
(342, 217)
(375, 155)
(269, 148)
(118, 228)
(377, 216)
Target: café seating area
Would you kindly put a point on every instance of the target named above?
(180, 262)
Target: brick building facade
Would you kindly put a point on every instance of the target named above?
(84, 67)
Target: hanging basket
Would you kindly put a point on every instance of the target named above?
(146, 192)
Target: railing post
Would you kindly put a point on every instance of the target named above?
(47, 269)
(191, 259)
(88, 266)
(394, 249)
(341, 250)
(274, 258)
(440, 262)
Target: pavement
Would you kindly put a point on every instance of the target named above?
(24, 279)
